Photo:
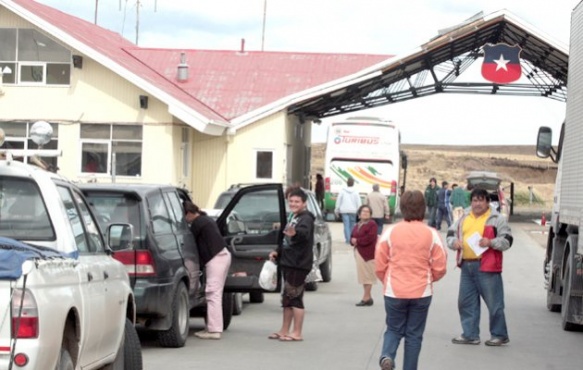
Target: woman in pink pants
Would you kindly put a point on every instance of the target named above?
(216, 260)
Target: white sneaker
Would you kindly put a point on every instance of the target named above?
(208, 335)
(200, 332)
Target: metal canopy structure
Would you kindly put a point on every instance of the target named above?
(435, 67)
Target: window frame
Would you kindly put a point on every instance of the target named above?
(110, 150)
(256, 152)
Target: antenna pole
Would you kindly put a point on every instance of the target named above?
(264, 18)
(137, 20)
(96, 6)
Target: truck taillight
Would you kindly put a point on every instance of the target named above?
(138, 263)
(327, 184)
(393, 188)
(24, 315)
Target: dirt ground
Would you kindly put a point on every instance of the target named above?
(514, 164)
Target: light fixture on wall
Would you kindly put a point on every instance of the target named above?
(144, 101)
(78, 61)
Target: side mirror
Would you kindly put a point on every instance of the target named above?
(120, 236)
(404, 161)
(544, 142)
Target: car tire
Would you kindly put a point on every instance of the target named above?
(312, 286)
(129, 354)
(256, 296)
(237, 304)
(326, 267)
(228, 299)
(175, 337)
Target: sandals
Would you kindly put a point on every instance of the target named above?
(275, 336)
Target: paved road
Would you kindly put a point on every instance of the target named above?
(339, 335)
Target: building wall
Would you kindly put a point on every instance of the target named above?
(96, 95)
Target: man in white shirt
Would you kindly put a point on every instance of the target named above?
(347, 205)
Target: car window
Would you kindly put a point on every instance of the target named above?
(93, 234)
(161, 221)
(176, 211)
(74, 219)
(23, 214)
(112, 207)
(256, 212)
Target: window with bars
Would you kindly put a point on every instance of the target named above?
(17, 135)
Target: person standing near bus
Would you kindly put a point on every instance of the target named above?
(320, 191)
(431, 200)
(347, 205)
(377, 201)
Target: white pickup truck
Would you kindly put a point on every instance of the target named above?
(65, 303)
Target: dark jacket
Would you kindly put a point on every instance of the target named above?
(297, 251)
(209, 240)
(366, 239)
(431, 195)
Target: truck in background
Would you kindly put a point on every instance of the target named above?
(563, 264)
(366, 149)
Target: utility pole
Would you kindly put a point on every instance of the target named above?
(264, 20)
(137, 20)
(96, 6)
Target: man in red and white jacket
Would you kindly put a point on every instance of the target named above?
(480, 237)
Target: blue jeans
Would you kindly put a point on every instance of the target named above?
(442, 214)
(349, 220)
(380, 223)
(432, 215)
(488, 285)
(405, 318)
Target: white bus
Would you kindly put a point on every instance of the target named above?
(366, 149)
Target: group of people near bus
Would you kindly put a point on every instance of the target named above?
(407, 257)
(410, 255)
(445, 204)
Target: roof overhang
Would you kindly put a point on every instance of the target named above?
(434, 67)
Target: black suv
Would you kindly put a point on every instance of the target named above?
(257, 220)
(162, 260)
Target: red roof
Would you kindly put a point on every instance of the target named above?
(234, 83)
(223, 84)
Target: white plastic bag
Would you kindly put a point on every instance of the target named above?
(268, 276)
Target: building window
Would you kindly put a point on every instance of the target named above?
(111, 149)
(264, 164)
(29, 57)
(18, 137)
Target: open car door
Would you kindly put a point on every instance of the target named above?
(252, 226)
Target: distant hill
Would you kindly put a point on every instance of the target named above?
(516, 164)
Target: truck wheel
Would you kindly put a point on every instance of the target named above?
(567, 302)
(175, 337)
(237, 304)
(256, 296)
(551, 291)
(227, 309)
(65, 362)
(129, 354)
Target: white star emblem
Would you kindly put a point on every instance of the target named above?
(501, 63)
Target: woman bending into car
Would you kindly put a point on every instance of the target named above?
(216, 260)
(296, 258)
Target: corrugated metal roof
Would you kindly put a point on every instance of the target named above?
(223, 85)
(234, 83)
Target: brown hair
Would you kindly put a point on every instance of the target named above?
(192, 208)
(412, 205)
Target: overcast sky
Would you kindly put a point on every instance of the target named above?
(351, 26)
